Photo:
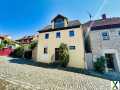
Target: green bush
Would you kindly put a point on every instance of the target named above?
(64, 55)
(99, 65)
(1, 46)
(32, 45)
(6, 42)
(18, 52)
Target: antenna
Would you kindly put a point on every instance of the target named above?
(90, 15)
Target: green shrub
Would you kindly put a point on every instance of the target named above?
(18, 52)
(99, 65)
(64, 55)
(32, 45)
(6, 42)
(1, 46)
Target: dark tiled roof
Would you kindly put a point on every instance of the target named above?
(1, 37)
(71, 24)
(47, 27)
(59, 16)
(104, 23)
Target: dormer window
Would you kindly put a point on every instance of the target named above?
(59, 23)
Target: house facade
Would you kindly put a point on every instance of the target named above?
(25, 40)
(60, 31)
(1, 39)
(104, 40)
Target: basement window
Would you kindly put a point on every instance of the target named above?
(72, 47)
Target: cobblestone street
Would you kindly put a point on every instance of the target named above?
(41, 78)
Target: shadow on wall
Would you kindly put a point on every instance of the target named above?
(53, 58)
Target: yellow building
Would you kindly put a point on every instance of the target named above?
(60, 31)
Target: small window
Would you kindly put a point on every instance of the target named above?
(45, 50)
(58, 35)
(105, 35)
(71, 33)
(46, 36)
(72, 47)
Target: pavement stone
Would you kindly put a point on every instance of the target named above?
(40, 78)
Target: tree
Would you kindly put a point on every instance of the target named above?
(32, 45)
(99, 65)
(1, 46)
(64, 55)
(18, 52)
(6, 42)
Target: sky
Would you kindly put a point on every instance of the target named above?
(25, 17)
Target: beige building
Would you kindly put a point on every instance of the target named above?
(104, 38)
(60, 31)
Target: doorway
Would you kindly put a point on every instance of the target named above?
(57, 54)
(110, 61)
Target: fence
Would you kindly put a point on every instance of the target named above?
(6, 51)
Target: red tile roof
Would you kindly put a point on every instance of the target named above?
(104, 23)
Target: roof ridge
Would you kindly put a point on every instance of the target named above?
(106, 18)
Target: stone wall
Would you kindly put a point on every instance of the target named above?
(34, 53)
(100, 47)
(98, 44)
(89, 61)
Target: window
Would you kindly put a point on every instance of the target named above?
(105, 35)
(46, 36)
(119, 33)
(72, 47)
(59, 23)
(71, 33)
(58, 35)
(45, 50)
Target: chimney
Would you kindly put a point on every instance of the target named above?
(104, 16)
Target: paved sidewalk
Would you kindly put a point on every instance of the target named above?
(51, 79)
